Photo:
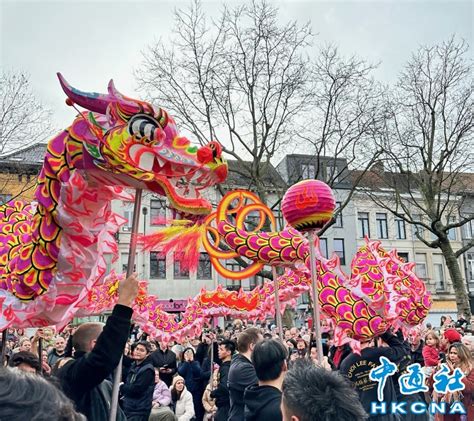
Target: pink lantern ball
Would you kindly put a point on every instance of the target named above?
(308, 205)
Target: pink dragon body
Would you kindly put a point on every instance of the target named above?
(381, 291)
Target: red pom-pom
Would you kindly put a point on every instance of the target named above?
(69, 102)
(205, 155)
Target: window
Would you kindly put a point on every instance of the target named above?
(157, 212)
(179, 272)
(421, 269)
(252, 220)
(332, 173)
(128, 215)
(338, 223)
(401, 229)
(254, 281)
(124, 261)
(204, 268)
(364, 227)
(323, 247)
(439, 276)
(108, 262)
(339, 249)
(4, 198)
(470, 267)
(382, 227)
(468, 227)
(418, 228)
(308, 171)
(438, 272)
(231, 285)
(452, 231)
(157, 265)
(403, 256)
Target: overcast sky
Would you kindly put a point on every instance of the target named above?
(93, 41)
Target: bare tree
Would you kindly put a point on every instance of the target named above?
(241, 79)
(427, 146)
(346, 119)
(23, 119)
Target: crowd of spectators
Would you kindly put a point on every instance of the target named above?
(243, 372)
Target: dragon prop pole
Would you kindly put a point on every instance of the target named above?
(4, 347)
(130, 266)
(277, 304)
(316, 317)
(40, 354)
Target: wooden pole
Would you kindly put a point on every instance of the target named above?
(40, 353)
(278, 320)
(314, 279)
(131, 262)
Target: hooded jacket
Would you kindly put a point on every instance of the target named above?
(262, 403)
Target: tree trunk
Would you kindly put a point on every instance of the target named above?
(462, 299)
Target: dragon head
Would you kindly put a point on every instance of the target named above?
(137, 145)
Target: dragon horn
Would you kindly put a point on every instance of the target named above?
(133, 105)
(89, 100)
(114, 92)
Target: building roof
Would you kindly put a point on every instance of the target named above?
(29, 159)
(240, 175)
(378, 179)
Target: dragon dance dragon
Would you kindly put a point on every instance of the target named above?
(52, 251)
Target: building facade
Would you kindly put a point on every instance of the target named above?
(19, 171)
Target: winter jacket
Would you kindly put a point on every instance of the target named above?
(262, 403)
(138, 390)
(241, 375)
(467, 400)
(430, 355)
(221, 392)
(53, 357)
(356, 368)
(83, 378)
(184, 407)
(165, 359)
(208, 403)
(161, 394)
(403, 365)
(337, 354)
(191, 372)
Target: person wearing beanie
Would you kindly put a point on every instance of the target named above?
(452, 335)
(181, 399)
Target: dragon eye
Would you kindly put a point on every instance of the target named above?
(144, 126)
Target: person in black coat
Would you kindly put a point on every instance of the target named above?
(337, 354)
(242, 372)
(356, 368)
(98, 349)
(263, 401)
(165, 360)
(221, 393)
(137, 392)
(190, 370)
